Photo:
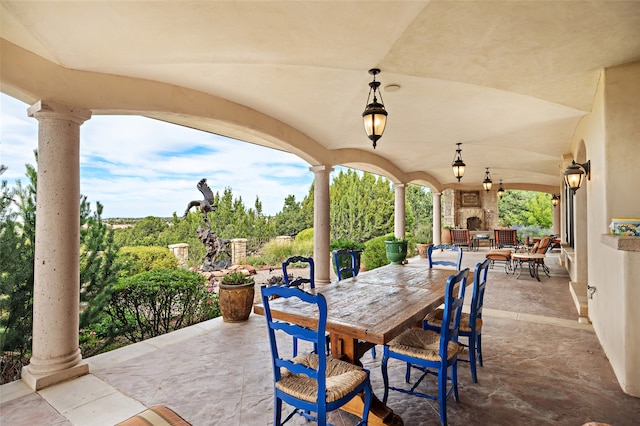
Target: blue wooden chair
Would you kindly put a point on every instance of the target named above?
(310, 383)
(471, 323)
(303, 284)
(444, 262)
(351, 270)
(432, 352)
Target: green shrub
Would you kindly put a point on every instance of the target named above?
(159, 301)
(375, 252)
(346, 244)
(137, 259)
(306, 235)
(276, 251)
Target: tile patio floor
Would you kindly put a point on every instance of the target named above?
(541, 367)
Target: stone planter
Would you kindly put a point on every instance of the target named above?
(422, 249)
(236, 301)
(396, 251)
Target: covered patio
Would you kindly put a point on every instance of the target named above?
(526, 87)
(540, 367)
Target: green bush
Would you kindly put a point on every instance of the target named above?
(375, 252)
(346, 244)
(159, 301)
(138, 259)
(276, 251)
(306, 235)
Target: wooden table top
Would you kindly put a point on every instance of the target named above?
(376, 305)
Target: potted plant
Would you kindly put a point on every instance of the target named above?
(345, 261)
(446, 234)
(423, 240)
(396, 249)
(236, 295)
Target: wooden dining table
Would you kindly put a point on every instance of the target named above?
(371, 309)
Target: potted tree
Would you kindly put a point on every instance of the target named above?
(396, 249)
(423, 240)
(345, 261)
(236, 295)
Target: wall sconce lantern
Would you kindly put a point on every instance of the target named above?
(487, 182)
(555, 200)
(500, 190)
(374, 115)
(575, 173)
(457, 164)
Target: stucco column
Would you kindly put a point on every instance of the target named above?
(56, 295)
(321, 223)
(555, 227)
(437, 218)
(399, 219)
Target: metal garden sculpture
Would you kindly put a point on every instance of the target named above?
(215, 246)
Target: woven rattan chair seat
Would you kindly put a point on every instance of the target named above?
(435, 318)
(423, 344)
(342, 378)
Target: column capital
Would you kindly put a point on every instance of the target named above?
(399, 185)
(47, 109)
(321, 168)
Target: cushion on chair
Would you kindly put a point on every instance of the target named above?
(498, 254)
(423, 344)
(158, 415)
(342, 378)
(435, 318)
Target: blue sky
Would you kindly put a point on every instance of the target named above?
(138, 167)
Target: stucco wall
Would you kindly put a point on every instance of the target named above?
(611, 134)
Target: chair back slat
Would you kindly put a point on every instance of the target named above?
(299, 282)
(479, 287)
(315, 335)
(444, 262)
(453, 301)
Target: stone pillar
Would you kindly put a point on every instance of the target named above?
(449, 210)
(181, 252)
(399, 217)
(238, 251)
(321, 223)
(437, 219)
(56, 355)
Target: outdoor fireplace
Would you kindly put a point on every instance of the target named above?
(474, 223)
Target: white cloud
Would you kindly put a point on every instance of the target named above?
(139, 167)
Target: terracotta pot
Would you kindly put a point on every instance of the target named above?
(446, 236)
(422, 249)
(236, 301)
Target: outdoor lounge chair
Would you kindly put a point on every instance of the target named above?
(505, 238)
(461, 238)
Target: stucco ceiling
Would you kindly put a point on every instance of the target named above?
(508, 79)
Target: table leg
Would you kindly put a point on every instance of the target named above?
(535, 270)
(518, 263)
(346, 348)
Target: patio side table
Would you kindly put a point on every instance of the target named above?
(533, 261)
(477, 239)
